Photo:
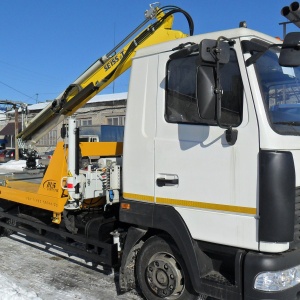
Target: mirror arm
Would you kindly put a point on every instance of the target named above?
(231, 134)
(251, 60)
(230, 41)
(218, 89)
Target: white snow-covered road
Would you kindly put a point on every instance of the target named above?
(33, 271)
(30, 270)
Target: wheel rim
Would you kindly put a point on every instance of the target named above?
(164, 276)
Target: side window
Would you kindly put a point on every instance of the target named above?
(181, 102)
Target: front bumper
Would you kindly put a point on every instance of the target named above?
(256, 263)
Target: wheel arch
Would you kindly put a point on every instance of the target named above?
(162, 219)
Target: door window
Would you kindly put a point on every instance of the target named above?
(181, 101)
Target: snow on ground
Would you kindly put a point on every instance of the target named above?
(31, 270)
(11, 291)
(12, 166)
(36, 271)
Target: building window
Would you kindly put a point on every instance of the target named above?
(116, 120)
(84, 122)
(52, 137)
(49, 139)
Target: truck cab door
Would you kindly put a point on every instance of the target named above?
(210, 183)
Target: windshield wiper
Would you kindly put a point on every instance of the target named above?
(291, 123)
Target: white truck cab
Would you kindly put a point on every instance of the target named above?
(227, 171)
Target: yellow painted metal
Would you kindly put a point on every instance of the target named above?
(56, 218)
(21, 195)
(194, 204)
(50, 193)
(116, 66)
(52, 181)
(99, 75)
(101, 148)
(132, 196)
(23, 186)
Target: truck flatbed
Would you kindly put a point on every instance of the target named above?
(23, 180)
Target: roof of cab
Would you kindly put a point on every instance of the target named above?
(230, 33)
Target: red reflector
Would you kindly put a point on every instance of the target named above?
(70, 185)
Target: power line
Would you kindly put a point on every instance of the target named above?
(16, 90)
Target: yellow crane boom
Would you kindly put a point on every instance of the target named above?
(105, 70)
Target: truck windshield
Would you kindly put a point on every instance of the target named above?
(280, 88)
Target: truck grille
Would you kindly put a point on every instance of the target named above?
(296, 242)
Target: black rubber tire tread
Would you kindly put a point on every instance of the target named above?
(157, 244)
(6, 231)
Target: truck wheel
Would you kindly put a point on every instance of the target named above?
(161, 272)
(5, 231)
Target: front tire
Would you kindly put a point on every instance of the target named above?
(161, 272)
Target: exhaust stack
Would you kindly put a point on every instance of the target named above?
(292, 13)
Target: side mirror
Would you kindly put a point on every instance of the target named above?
(64, 131)
(290, 51)
(209, 52)
(206, 96)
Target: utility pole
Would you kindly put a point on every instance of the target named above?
(16, 133)
(15, 105)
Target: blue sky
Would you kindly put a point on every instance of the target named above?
(46, 45)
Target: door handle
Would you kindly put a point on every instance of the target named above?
(166, 182)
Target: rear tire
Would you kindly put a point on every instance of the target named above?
(6, 231)
(161, 272)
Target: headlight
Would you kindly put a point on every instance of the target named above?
(277, 281)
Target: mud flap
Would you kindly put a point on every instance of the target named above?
(126, 274)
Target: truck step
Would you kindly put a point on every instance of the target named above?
(217, 286)
(217, 278)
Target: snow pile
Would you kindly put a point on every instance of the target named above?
(10, 291)
(12, 166)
